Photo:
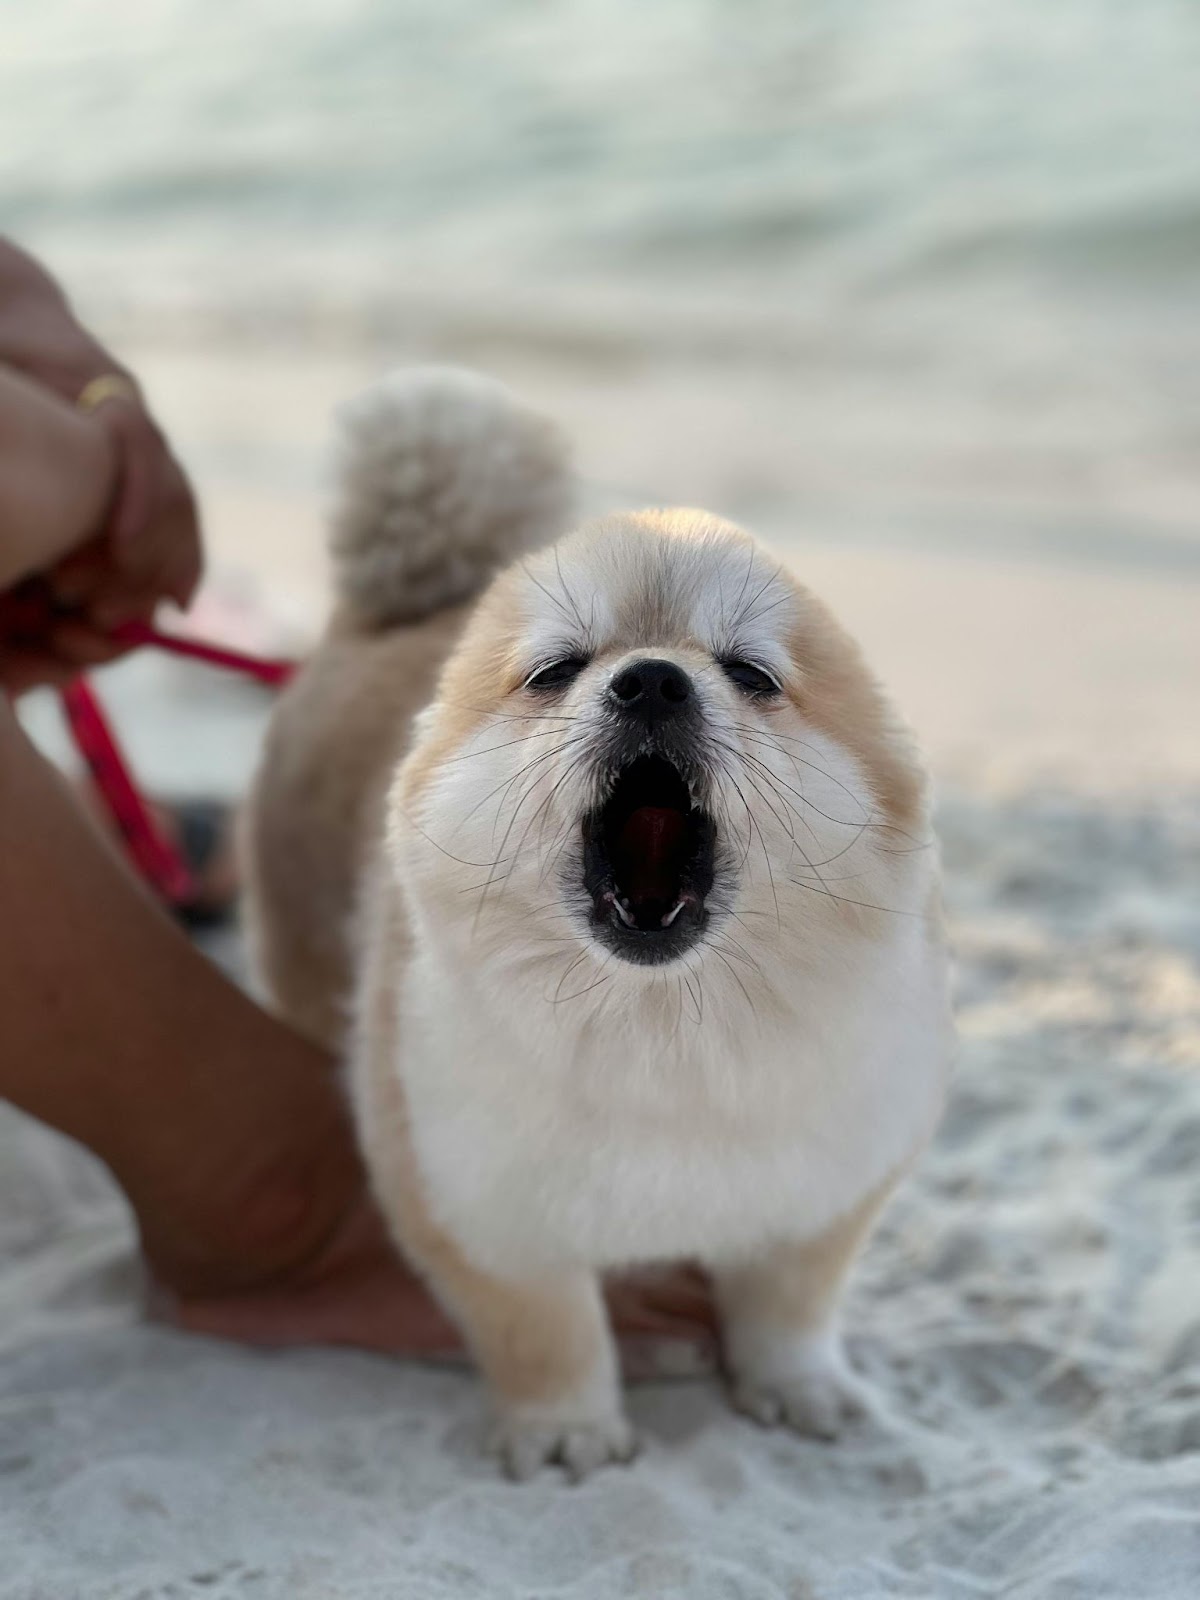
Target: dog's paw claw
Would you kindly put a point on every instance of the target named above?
(580, 1446)
(818, 1400)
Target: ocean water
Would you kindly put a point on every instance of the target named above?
(788, 144)
(983, 214)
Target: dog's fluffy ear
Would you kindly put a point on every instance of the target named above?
(444, 477)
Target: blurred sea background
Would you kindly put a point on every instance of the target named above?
(911, 280)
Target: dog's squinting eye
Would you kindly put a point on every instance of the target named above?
(556, 674)
(751, 680)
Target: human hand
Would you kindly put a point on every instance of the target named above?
(357, 1291)
(42, 645)
(148, 549)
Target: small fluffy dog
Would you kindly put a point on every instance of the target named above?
(618, 880)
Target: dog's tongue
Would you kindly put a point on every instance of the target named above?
(649, 845)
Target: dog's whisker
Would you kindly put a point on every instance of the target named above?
(751, 767)
(509, 744)
(843, 822)
(548, 800)
(721, 956)
(491, 713)
(753, 827)
(866, 905)
(509, 783)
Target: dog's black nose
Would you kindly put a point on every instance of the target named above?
(651, 690)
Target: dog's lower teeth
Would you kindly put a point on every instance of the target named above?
(625, 911)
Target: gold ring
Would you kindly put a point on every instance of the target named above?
(108, 386)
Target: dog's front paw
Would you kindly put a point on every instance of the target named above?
(526, 1442)
(806, 1386)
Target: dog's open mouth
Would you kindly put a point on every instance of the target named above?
(648, 862)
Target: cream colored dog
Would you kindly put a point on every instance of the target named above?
(618, 881)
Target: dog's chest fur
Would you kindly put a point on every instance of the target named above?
(543, 1143)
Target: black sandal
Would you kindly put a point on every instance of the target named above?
(201, 831)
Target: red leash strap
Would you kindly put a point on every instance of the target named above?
(273, 673)
(152, 853)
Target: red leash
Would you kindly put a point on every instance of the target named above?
(153, 854)
(274, 673)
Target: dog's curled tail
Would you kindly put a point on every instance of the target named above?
(444, 477)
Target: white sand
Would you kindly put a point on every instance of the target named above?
(1030, 1312)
